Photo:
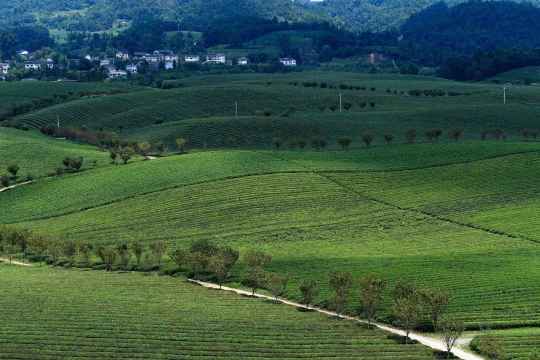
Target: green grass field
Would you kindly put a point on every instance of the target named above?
(52, 314)
(38, 155)
(517, 344)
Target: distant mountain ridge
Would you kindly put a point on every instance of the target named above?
(100, 15)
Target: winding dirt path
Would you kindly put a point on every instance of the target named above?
(15, 186)
(14, 262)
(432, 342)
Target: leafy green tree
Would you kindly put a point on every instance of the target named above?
(410, 136)
(309, 290)
(407, 308)
(126, 154)
(340, 283)
(85, 249)
(388, 138)
(435, 302)
(180, 257)
(367, 139)
(138, 250)
(255, 279)
(158, 249)
(108, 256)
(255, 258)
(123, 252)
(218, 267)
(5, 181)
(371, 291)
(13, 169)
(181, 144)
(277, 285)
(345, 142)
(451, 331)
(69, 249)
(144, 148)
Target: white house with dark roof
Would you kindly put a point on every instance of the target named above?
(216, 59)
(32, 66)
(243, 61)
(4, 68)
(288, 61)
(192, 59)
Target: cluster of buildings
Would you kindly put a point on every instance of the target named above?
(26, 63)
(123, 64)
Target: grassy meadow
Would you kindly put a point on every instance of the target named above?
(52, 313)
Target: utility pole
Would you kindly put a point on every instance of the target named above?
(57, 121)
(236, 109)
(506, 87)
(340, 103)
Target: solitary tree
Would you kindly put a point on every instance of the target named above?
(455, 134)
(5, 181)
(367, 139)
(13, 169)
(126, 154)
(158, 249)
(451, 331)
(255, 279)
(218, 267)
(371, 290)
(388, 138)
(341, 283)
(435, 302)
(257, 259)
(345, 142)
(277, 285)
(410, 135)
(309, 290)
(181, 144)
(122, 250)
(138, 250)
(108, 255)
(407, 312)
(144, 148)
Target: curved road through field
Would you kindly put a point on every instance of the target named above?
(434, 343)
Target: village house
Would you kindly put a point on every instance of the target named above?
(216, 59)
(288, 61)
(4, 68)
(105, 62)
(114, 74)
(132, 69)
(192, 58)
(49, 63)
(243, 61)
(122, 55)
(23, 53)
(152, 59)
(32, 66)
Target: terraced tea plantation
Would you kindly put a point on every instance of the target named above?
(52, 314)
(516, 344)
(38, 156)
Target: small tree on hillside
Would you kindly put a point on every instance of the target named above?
(410, 136)
(309, 290)
(69, 249)
(144, 148)
(255, 279)
(123, 253)
(181, 144)
(218, 268)
(255, 258)
(367, 139)
(108, 255)
(13, 169)
(407, 309)
(158, 249)
(277, 142)
(388, 138)
(340, 283)
(435, 302)
(345, 142)
(85, 249)
(113, 155)
(371, 291)
(277, 285)
(180, 257)
(455, 134)
(138, 250)
(126, 154)
(5, 181)
(451, 331)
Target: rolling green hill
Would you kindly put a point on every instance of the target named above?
(88, 315)
(38, 155)
(303, 105)
(318, 212)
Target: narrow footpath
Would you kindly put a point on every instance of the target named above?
(432, 342)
